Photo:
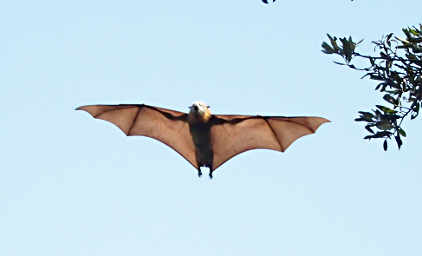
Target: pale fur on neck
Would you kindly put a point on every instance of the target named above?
(202, 114)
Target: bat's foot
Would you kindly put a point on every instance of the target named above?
(199, 173)
(210, 175)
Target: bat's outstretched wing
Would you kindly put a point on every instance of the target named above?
(168, 126)
(234, 134)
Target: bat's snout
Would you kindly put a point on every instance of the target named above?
(194, 108)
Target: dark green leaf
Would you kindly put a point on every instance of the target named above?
(413, 31)
(402, 132)
(389, 99)
(386, 110)
(382, 134)
(368, 128)
(369, 114)
(339, 63)
(348, 48)
(398, 140)
(363, 119)
(376, 77)
(333, 41)
(327, 48)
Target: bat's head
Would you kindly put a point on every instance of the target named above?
(199, 111)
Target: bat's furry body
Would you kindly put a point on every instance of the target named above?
(200, 129)
(204, 139)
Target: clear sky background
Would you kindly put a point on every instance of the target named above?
(73, 185)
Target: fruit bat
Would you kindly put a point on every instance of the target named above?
(202, 138)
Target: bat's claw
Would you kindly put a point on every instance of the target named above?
(199, 173)
(210, 175)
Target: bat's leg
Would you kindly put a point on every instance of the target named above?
(199, 172)
(211, 170)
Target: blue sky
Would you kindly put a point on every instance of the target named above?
(72, 185)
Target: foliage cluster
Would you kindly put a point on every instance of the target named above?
(396, 66)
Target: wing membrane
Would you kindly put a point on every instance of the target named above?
(167, 126)
(234, 134)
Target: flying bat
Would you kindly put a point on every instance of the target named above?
(204, 139)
